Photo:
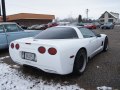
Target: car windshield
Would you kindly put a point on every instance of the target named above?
(57, 33)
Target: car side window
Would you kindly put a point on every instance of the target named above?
(87, 33)
(11, 28)
(1, 29)
(19, 28)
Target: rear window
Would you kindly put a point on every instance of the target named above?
(57, 33)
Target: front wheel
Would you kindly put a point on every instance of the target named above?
(80, 62)
(105, 48)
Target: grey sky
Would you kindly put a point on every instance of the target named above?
(63, 8)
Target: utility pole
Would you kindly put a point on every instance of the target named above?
(3, 10)
(87, 10)
(0, 8)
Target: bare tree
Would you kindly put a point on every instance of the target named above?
(79, 18)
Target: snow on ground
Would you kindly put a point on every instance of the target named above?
(1, 58)
(104, 88)
(11, 79)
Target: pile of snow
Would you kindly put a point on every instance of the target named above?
(104, 88)
(1, 58)
(11, 79)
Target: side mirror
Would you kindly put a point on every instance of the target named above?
(98, 35)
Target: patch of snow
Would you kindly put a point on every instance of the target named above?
(1, 58)
(15, 66)
(11, 79)
(104, 88)
(98, 67)
(1, 61)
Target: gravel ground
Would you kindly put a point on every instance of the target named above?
(102, 70)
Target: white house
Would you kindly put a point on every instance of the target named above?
(109, 17)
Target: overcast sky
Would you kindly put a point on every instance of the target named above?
(63, 8)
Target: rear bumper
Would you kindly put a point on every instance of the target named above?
(50, 64)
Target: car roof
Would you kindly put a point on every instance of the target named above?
(7, 23)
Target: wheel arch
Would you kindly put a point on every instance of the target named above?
(85, 51)
(82, 48)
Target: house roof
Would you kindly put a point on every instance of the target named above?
(110, 14)
(28, 16)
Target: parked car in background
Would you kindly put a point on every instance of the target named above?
(108, 25)
(97, 24)
(41, 27)
(61, 50)
(77, 24)
(63, 23)
(11, 31)
(90, 25)
(23, 27)
(32, 27)
(52, 24)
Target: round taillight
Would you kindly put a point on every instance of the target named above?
(17, 46)
(41, 50)
(52, 51)
(12, 45)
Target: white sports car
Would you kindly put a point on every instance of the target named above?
(61, 50)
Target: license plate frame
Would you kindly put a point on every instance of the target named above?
(28, 56)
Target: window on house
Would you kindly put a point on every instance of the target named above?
(102, 20)
(110, 20)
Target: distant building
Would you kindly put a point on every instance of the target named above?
(28, 19)
(109, 17)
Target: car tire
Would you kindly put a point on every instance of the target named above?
(80, 62)
(105, 48)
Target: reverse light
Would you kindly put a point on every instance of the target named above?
(42, 50)
(12, 45)
(17, 46)
(52, 51)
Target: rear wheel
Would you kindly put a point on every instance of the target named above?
(105, 48)
(80, 62)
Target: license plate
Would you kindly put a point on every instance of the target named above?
(28, 56)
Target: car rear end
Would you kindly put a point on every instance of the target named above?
(46, 57)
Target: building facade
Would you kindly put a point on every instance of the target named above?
(28, 19)
(109, 17)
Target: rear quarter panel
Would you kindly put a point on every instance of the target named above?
(68, 49)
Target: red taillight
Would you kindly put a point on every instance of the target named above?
(17, 46)
(41, 50)
(52, 51)
(12, 45)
